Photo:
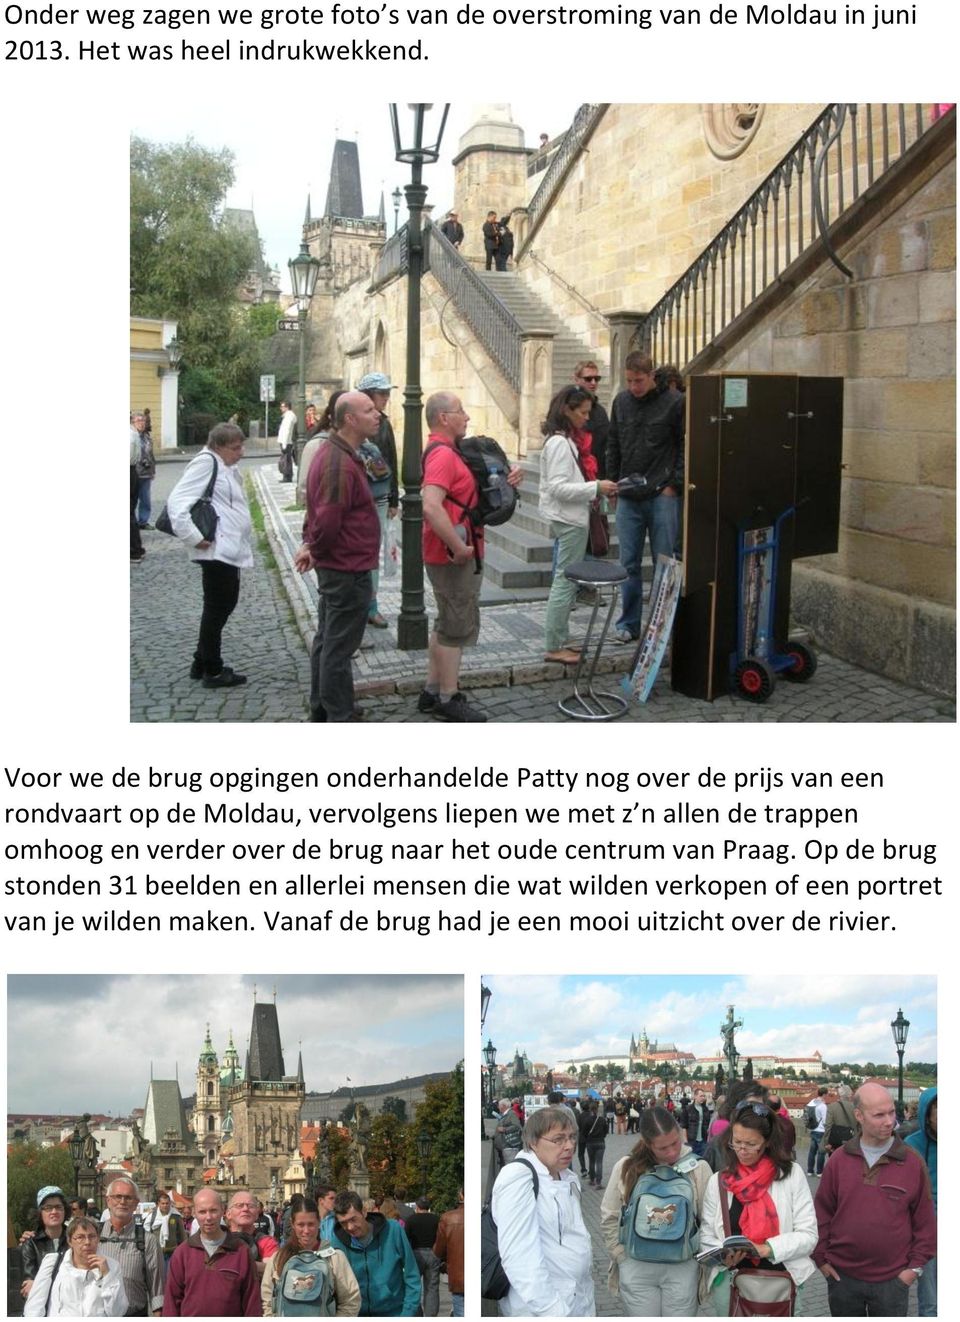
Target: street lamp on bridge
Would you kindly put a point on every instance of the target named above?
(490, 1056)
(303, 278)
(900, 1028)
(413, 147)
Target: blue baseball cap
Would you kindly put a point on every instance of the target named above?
(50, 1191)
(375, 381)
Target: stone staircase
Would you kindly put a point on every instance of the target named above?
(533, 314)
(519, 553)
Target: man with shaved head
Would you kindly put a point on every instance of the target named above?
(341, 541)
(875, 1214)
(452, 556)
(212, 1274)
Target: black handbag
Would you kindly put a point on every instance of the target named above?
(202, 512)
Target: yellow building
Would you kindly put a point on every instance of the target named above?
(154, 376)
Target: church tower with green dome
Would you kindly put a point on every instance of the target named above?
(206, 1112)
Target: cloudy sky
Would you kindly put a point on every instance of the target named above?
(86, 1043)
(845, 1018)
(277, 167)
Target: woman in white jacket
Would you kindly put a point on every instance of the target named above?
(544, 1245)
(222, 558)
(768, 1200)
(82, 1283)
(568, 486)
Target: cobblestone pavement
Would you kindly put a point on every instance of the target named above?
(608, 1305)
(261, 639)
(269, 634)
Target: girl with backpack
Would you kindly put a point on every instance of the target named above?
(308, 1276)
(650, 1218)
(760, 1193)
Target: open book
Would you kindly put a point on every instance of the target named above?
(731, 1243)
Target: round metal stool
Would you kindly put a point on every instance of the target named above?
(588, 704)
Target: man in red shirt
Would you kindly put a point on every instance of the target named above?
(449, 539)
(341, 540)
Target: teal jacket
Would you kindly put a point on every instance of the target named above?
(386, 1269)
(924, 1140)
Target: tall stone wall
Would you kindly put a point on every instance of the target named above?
(451, 358)
(643, 200)
(887, 598)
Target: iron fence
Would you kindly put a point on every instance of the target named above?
(841, 155)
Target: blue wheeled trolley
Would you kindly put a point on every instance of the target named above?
(758, 660)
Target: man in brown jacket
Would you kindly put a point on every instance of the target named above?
(448, 1247)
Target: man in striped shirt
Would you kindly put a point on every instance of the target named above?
(136, 1253)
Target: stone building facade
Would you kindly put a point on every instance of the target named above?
(620, 218)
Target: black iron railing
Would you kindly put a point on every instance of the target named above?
(841, 155)
(584, 122)
(496, 328)
(392, 260)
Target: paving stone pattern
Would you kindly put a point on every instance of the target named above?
(269, 635)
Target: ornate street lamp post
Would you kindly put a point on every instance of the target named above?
(490, 1056)
(485, 995)
(412, 148)
(76, 1156)
(900, 1028)
(303, 278)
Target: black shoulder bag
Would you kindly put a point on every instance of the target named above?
(201, 511)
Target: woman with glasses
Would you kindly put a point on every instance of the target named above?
(544, 1245)
(649, 1287)
(46, 1236)
(83, 1283)
(767, 1200)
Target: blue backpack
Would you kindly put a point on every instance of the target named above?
(659, 1223)
(303, 1288)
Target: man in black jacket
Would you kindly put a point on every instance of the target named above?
(645, 444)
(452, 229)
(505, 249)
(587, 376)
(491, 237)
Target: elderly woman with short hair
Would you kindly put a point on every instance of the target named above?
(222, 557)
(81, 1283)
(544, 1245)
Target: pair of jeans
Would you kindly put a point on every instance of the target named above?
(143, 499)
(221, 592)
(816, 1156)
(429, 1265)
(595, 1158)
(658, 518)
(852, 1298)
(341, 620)
(658, 1289)
(570, 545)
(927, 1290)
(136, 545)
(373, 608)
(456, 1305)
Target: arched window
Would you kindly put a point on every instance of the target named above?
(211, 1123)
(209, 1089)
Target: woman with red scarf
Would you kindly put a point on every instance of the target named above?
(568, 487)
(768, 1200)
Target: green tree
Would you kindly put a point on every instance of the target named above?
(395, 1106)
(262, 320)
(440, 1115)
(29, 1168)
(339, 1147)
(387, 1154)
(185, 263)
(615, 1073)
